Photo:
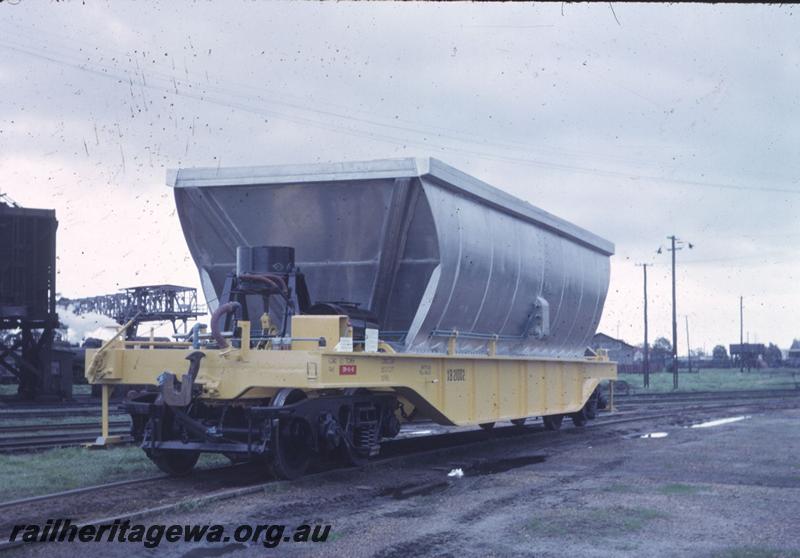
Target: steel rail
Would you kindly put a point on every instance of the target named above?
(13, 444)
(36, 428)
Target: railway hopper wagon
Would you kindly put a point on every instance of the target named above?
(350, 298)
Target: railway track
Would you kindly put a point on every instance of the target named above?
(140, 498)
(706, 395)
(77, 399)
(90, 407)
(29, 437)
(37, 428)
(12, 413)
(12, 445)
(721, 399)
(48, 436)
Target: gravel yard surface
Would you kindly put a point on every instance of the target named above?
(726, 490)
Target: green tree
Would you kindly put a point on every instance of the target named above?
(773, 356)
(720, 356)
(662, 344)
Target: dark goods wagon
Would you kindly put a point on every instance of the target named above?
(27, 299)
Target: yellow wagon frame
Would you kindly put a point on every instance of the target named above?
(451, 389)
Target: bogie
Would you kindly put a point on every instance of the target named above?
(288, 433)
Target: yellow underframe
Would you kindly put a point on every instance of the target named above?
(450, 389)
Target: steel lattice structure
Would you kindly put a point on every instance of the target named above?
(148, 303)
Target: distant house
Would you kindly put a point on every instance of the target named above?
(618, 350)
(793, 354)
(750, 355)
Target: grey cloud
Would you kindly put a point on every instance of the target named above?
(518, 95)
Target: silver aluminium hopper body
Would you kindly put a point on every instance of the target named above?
(428, 249)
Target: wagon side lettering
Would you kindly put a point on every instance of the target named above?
(456, 375)
(347, 369)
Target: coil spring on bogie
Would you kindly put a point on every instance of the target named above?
(367, 431)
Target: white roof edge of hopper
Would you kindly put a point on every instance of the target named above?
(422, 167)
(451, 177)
(291, 174)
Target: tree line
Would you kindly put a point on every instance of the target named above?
(661, 351)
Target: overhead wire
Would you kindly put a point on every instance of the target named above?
(172, 85)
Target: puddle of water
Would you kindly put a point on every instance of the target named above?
(655, 435)
(718, 422)
(502, 465)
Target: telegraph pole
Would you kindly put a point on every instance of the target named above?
(676, 245)
(741, 334)
(688, 345)
(646, 363)
(674, 321)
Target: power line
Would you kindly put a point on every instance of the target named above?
(394, 140)
(791, 257)
(763, 255)
(427, 129)
(417, 127)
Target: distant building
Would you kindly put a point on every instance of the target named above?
(618, 350)
(750, 355)
(793, 354)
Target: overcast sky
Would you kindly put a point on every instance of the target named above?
(636, 123)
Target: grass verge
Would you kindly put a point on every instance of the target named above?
(31, 474)
(714, 379)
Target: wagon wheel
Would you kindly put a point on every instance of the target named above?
(579, 418)
(175, 463)
(590, 409)
(486, 425)
(291, 439)
(518, 422)
(552, 422)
